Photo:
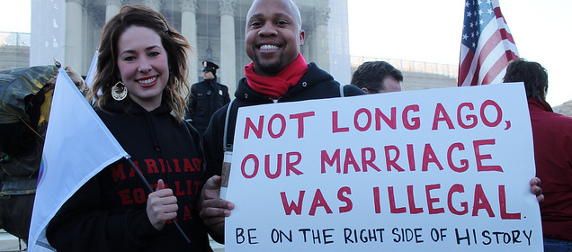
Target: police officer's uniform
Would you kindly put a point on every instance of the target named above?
(206, 97)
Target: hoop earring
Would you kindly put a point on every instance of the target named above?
(119, 91)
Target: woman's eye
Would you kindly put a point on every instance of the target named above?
(129, 58)
(153, 54)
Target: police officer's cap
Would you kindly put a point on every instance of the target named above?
(209, 66)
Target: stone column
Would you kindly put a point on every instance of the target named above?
(227, 45)
(154, 4)
(189, 30)
(74, 32)
(112, 8)
(320, 45)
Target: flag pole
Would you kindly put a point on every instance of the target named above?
(151, 189)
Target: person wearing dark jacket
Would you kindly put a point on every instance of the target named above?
(278, 73)
(142, 79)
(206, 97)
(552, 137)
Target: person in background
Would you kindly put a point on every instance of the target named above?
(206, 97)
(552, 137)
(141, 72)
(377, 77)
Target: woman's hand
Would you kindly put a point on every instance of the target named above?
(161, 206)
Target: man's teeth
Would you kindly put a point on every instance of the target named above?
(147, 81)
(268, 47)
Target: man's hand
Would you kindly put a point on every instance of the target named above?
(213, 208)
(161, 206)
(536, 190)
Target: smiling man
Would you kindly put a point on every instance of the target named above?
(278, 73)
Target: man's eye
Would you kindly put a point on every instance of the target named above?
(256, 24)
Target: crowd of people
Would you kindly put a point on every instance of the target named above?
(141, 76)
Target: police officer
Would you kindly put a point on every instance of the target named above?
(206, 97)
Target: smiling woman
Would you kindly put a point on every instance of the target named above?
(142, 75)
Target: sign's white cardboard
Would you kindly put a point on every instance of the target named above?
(445, 169)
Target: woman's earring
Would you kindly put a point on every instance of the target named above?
(119, 91)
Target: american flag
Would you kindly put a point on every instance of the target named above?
(487, 45)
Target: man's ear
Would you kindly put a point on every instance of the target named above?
(365, 90)
(302, 37)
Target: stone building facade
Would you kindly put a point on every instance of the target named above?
(214, 28)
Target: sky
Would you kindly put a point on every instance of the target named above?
(429, 31)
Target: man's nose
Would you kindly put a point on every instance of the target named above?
(267, 30)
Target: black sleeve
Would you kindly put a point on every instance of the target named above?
(213, 142)
(84, 224)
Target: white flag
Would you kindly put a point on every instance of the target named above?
(77, 146)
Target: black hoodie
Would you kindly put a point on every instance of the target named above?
(108, 213)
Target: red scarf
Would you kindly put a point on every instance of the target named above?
(277, 86)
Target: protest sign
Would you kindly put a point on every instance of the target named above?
(445, 169)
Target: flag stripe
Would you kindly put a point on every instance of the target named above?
(488, 61)
(495, 70)
(465, 63)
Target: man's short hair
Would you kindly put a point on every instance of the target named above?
(371, 74)
(534, 76)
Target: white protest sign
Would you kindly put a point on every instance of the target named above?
(445, 169)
